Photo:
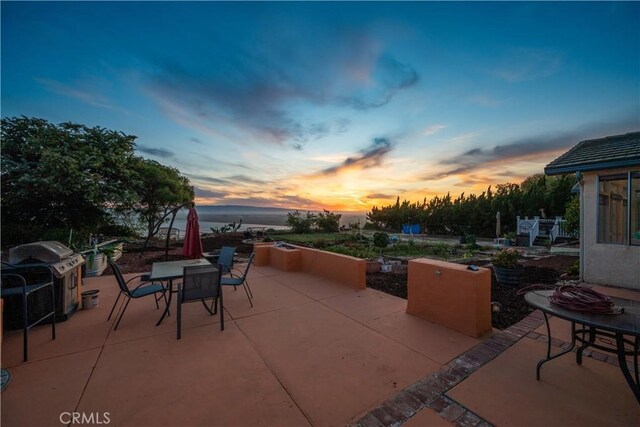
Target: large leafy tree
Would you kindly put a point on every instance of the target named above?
(58, 178)
(161, 190)
(61, 177)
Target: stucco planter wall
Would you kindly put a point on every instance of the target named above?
(336, 267)
(450, 295)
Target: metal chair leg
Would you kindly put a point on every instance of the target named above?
(122, 314)
(25, 328)
(207, 307)
(179, 312)
(248, 297)
(114, 306)
(221, 312)
(246, 282)
(53, 322)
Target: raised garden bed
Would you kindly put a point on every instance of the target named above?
(545, 270)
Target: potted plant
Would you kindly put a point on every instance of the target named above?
(510, 239)
(373, 266)
(506, 267)
(98, 257)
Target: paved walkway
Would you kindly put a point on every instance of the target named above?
(311, 352)
(494, 384)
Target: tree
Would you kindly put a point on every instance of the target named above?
(300, 224)
(160, 190)
(328, 221)
(572, 215)
(61, 177)
(475, 214)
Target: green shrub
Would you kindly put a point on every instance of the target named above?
(574, 270)
(506, 258)
(381, 240)
(320, 244)
(300, 224)
(442, 250)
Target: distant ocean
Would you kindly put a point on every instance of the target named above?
(251, 216)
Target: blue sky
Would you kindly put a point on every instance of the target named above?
(337, 105)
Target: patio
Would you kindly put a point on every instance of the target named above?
(311, 352)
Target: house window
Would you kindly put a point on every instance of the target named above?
(635, 208)
(613, 209)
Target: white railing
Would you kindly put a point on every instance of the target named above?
(555, 231)
(534, 231)
(524, 225)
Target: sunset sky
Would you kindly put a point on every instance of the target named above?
(335, 105)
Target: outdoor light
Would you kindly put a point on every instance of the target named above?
(496, 307)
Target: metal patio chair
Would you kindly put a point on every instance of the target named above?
(145, 288)
(225, 260)
(14, 284)
(200, 283)
(241, 280)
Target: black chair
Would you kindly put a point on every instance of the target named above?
(14, 284)
(241, 280)
(145, 288)
(198, 284)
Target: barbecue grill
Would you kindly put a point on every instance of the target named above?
(33, 260)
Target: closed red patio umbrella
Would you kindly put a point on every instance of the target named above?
(192, 245)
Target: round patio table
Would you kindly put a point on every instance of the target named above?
(616, 327)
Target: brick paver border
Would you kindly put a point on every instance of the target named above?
(430, 391)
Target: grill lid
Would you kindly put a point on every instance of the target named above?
(48, 251)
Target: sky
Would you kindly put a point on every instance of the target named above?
(340, 106)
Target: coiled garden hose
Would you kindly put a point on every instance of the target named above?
(578, 298)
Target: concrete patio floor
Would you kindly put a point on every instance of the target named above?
(311, 352)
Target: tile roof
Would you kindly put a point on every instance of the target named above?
(602, 153)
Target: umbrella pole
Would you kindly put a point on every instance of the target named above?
(166, 244)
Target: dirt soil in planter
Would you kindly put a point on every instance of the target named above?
(544, 270)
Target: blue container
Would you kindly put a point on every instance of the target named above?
(411, 229)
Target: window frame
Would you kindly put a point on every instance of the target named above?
(610, 177)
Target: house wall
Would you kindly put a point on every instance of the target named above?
(605, 263)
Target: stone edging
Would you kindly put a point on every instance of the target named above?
(430, 391)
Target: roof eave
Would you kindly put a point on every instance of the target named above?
(589, 167)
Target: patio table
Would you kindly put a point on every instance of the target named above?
(611, 326)
(170, 270)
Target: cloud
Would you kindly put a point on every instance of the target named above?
(369, 157)
(156, 152)
(541, 146)
(391, 76)
(245, 179)
(196, 140)
(204, 193)
(85, 95)
(207, 179)
(262, 88)
(277, 201)
(380, 196)
(525, 64)
(432, 130)
(483, 100)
